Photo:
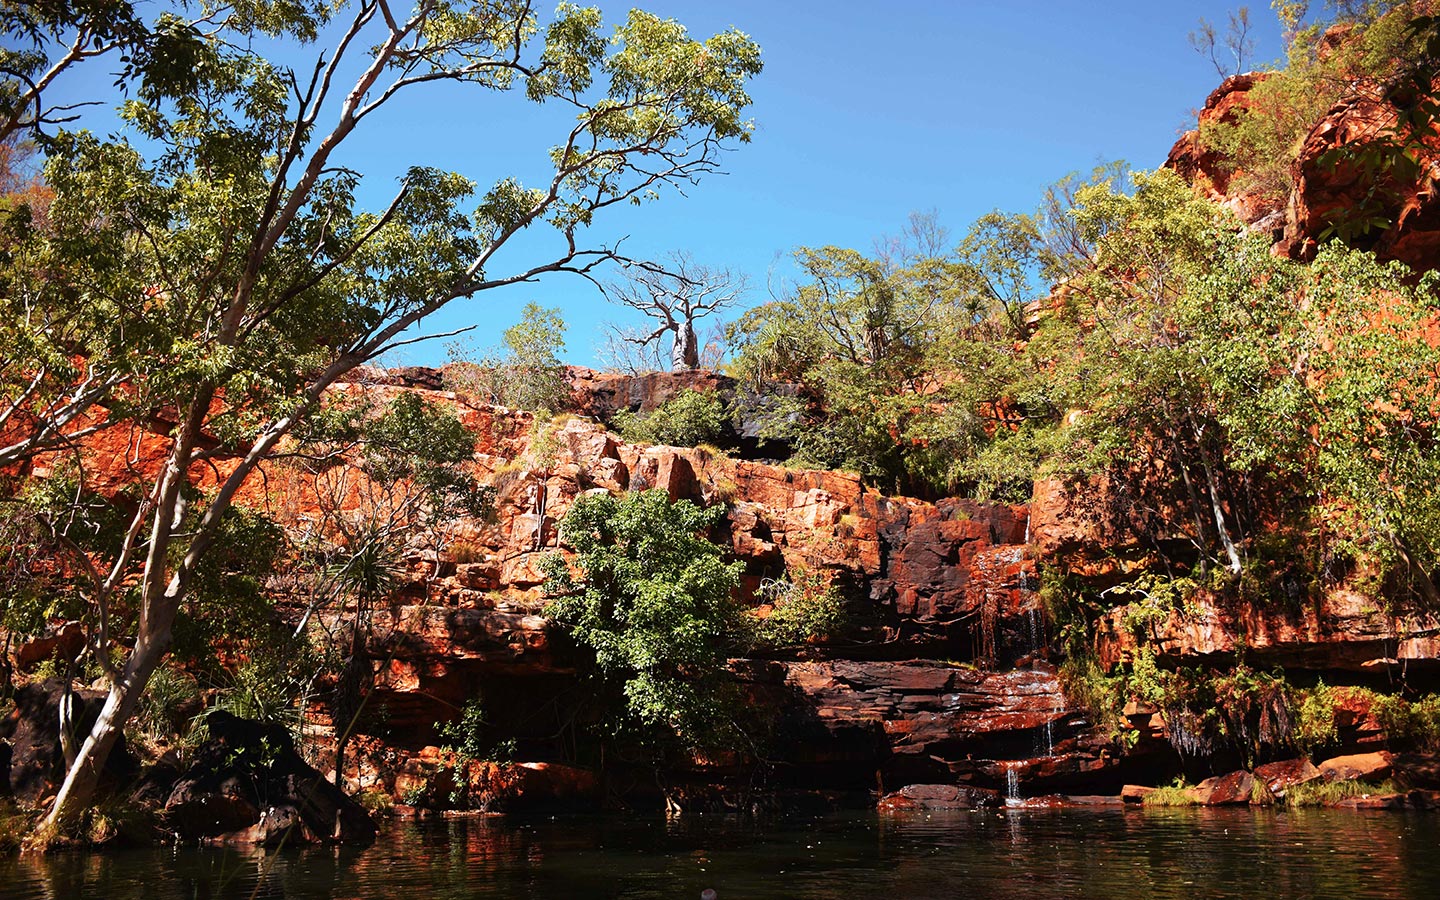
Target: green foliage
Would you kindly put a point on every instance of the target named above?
(806, 606)
(1177, 793)
(209, 264)
(1415, 722)
(1331, 793)
(688, 419)
(1314, 722)
(527, 375)
(1260, 141)
(654, 601)
(1099, 693)
(228, 602)
(468, 736)
(266, 687)
(167, 710)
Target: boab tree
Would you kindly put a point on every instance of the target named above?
(207, 283)
(675, 297)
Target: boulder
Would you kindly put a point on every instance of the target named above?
(248, 785)
(1279, 777)
(1135, 793)
(1358, 767)
(1234, 789)
(941, 796)
(37, 760)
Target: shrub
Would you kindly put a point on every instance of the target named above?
(1416, 721)
(688, 419)
(170, 698)
(462, 552)
(1314, 721)
(526, 375)
(654, 603)
(806, 606)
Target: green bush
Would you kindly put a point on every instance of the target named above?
(688, 419)
(805, 606)
(654, 602)
(1416, 721)
(527, 374)
(1314, 722)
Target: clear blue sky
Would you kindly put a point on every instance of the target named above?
(865, 112)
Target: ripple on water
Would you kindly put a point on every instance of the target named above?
(1030, 853)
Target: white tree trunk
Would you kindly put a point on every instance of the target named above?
(685, 354)
(83, 776)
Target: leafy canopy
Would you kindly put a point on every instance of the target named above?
(653, 599)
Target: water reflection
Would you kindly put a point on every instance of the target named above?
(1004, 853)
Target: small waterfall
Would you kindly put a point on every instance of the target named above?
(1050, 726)
(1012, 781)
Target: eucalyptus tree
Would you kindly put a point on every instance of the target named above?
(1248, 393)
(209, 273)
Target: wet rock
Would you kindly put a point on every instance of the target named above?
(1382, 801)
(1234, 789)
(1279, 777)
(920, 722)
(1135, 793)
(1358, 767)
(540, 784)
(941, 796)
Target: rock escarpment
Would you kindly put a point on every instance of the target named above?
(946, 676)
(1332, 181)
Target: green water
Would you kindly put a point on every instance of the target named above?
(1015, 853)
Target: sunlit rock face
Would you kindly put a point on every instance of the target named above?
(946, 675)
(1209, 170)
(1329, 188)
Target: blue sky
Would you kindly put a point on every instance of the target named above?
(865, 112)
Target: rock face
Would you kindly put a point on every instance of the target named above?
(912, 722)
(1342, 632)
(1209, 170)
(1328, 188)
(943, 679)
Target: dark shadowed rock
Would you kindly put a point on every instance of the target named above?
(37, 761)
(248, 785)
(941, 796)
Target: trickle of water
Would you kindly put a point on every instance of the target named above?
(1050, 730)
(1012, 782)
(1033, 623)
